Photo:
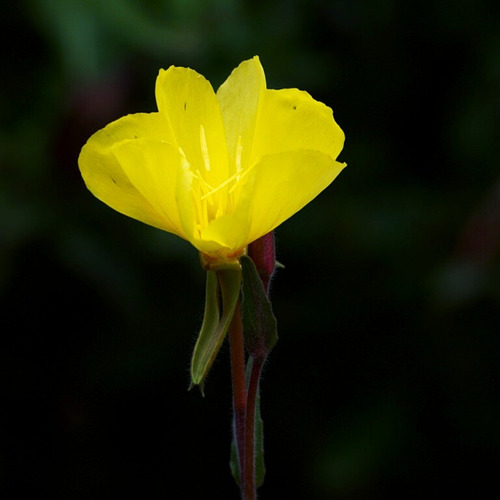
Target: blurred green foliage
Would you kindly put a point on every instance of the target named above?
(383, 382)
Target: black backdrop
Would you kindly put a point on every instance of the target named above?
(382, 382)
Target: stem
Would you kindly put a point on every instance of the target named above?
(253, 390)
(239, 389)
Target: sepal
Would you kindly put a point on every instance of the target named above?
(215, 325)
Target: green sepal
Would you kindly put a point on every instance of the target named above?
(211, 317)
(259, 323)
(215, 326)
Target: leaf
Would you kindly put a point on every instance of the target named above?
(259, 323)
(214, 327)
(260, 468)
(234, 463)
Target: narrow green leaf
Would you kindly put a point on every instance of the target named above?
(260, 468)
(234, 463)
(259, 323)
(214, 327)
(258, 440)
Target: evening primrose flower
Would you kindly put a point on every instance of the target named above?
(217, 169)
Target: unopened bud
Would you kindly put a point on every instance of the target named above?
(262, 252)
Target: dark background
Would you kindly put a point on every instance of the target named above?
(382, 383)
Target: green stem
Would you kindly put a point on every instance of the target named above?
(239, 389)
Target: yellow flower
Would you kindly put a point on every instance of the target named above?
(217, 169)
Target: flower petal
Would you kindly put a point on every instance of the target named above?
(105, 177)
(157, 169)
(188, 102)
(229, 232)
(281, 184)
(291, 119)
(239, 97)
(276, 188)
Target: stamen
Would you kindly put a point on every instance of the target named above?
(220, 186)
(205, 187)
(204, 148)
(239, 149)
(239, 176)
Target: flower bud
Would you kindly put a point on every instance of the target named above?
(262, 252)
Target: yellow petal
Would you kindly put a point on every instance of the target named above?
(281, 184)
(229, 232)
(291, 119)
(187, 100)
(157, 170)
(218, 170)
(103, 174)
(239, 97)
(275, 189)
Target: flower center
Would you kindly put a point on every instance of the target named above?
(212, 202)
